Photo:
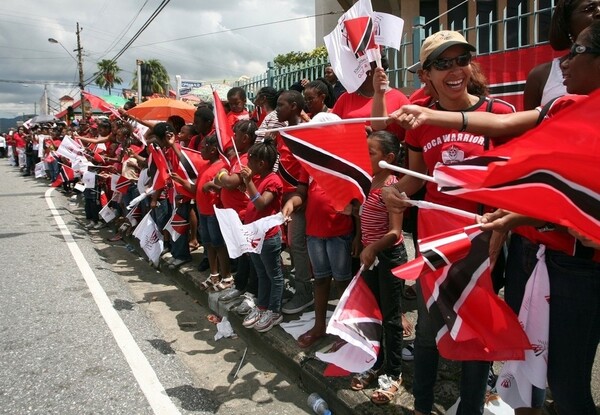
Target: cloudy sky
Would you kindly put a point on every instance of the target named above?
(205, 40)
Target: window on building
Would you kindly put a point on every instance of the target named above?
(543, 22)
(487, 30)
(430, 10)
(458, 14)
(516, 29)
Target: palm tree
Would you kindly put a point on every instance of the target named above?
(108, 74)
(160, 77)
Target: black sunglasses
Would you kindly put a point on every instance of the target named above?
(580, 49)
(443, 64)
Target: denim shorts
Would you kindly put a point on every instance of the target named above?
(210, 233)
(330, 257)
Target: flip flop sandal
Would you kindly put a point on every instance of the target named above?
(362, 380)
(388, 388)
(209, 282)
(224, 284)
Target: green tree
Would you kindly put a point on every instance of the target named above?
(108, 75)
(160, 77)
(293, 58)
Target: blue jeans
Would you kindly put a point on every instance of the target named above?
(210, 232)
(245, 277)
(269, 274)
(574, 331)
(387, 289)
(474, 374)
(330, 257)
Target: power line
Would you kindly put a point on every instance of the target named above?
(241, 28)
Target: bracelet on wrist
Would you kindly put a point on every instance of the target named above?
(465, 121)
(255, 197)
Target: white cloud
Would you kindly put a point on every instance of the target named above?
(192, 39)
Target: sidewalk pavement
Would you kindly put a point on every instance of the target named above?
(301, 366)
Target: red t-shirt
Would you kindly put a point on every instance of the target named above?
(18, 140)
(235, 198)
(270, 183)
(322, 220)
(290, 170)
(206, 200)
(233, 117)
(448, 146)
(354, 105)
(195, 141)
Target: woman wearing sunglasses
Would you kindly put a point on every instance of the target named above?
(446, 63)
(573, 265)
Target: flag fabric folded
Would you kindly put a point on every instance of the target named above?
(158, 169)
(119, 183)
(150, 237)
(177, 225)
(65, 175)
(97, 102)
(471, 321)
(69, 148)
(343, 171)
(40, 170)
(134, 215)
(241, 238)
(517, 377)
(357, 319)
(534, 174)
(188, 167)
(222, 127)
(355, 41)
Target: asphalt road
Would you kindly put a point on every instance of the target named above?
(88, 328)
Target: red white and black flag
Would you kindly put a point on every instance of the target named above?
(65, 175)
(158, 169)
(177, 225)
(222, 127)
(336, 155)
(540, 174)
(471, 322)
(357, 319)
(188, 168)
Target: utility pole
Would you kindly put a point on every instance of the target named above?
(80, 67)
(138, 64)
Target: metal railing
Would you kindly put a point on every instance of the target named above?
(506, 33)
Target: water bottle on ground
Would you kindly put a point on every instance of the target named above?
(318, 404)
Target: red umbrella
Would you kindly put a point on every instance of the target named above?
(162, 108)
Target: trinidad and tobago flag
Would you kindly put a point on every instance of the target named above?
(223, 129)
(65, 175)
(360, 34)
(178, 225)
(357, 319)
(158, 169)
(540, 174)
(336, 155)
(471, 321)
(189, 166)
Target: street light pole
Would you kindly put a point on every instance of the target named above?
(80, 66)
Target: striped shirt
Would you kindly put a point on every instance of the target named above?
(374, 216)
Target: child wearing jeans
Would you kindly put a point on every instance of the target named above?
(265, 190)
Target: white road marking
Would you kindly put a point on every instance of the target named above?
(142, 370)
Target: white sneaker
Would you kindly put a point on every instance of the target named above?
(98, 225)
(267, 320)
(246, 305)
(252, 318)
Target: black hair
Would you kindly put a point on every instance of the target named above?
(246, 127)
(294, 97)
(270, 95)
(593, 31)
(237, 90)
(104, 124)
(161, 130)
(265, 151)
(129, 104)
(390, 144)
(560, 25)
(177, 122)
(211, 140)
(205, 113)
(325, 88)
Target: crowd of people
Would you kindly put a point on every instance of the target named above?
(327, 246)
